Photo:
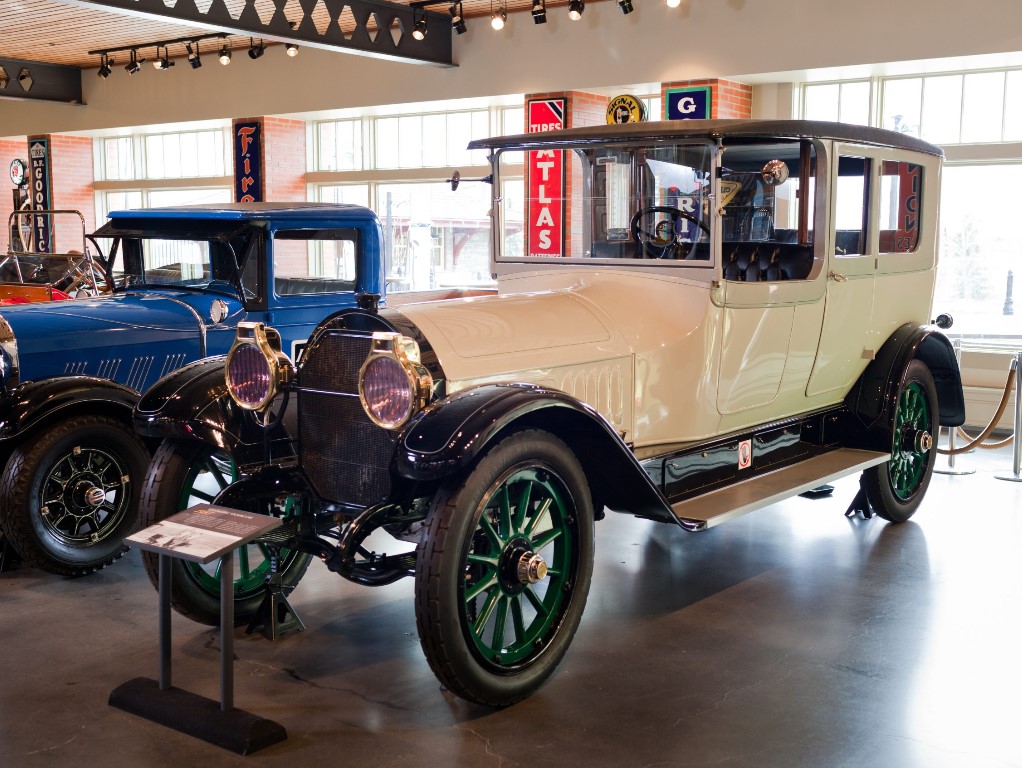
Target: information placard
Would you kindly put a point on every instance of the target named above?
(203, 533)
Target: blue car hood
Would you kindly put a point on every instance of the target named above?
(132, 338)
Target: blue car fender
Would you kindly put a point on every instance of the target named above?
(35, 403)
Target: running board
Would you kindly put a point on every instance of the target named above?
(719, 506)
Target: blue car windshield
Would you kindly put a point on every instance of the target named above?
(180, 263)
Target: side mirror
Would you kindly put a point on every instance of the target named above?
(944, 321)
(455, 180)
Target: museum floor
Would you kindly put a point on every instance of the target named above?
(791, 637)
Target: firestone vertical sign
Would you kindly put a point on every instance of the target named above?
(545, 204)
(39, 185)
(248, 167)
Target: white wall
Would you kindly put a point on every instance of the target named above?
(704, 38)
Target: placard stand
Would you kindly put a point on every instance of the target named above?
(199, 534)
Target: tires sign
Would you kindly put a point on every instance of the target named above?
(248, 155)
(544, 207)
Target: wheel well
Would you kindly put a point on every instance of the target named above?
(938, 356)
(112, 410)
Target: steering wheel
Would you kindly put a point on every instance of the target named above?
(659, 242)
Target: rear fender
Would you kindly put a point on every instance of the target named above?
(193, 403)
(35, 403)
(446, 438)
(874, 398)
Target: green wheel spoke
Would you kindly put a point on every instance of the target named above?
(505, 514)
(484, 615)
(491, 532)
(541, 609)
(486, 560)
(547, 538)
(243, 564)
(207, 497)
(483, 586)
(541, 514)
(500, 623)
(518, 619)
(522, 507)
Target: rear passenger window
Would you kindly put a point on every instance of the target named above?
(314, 261)
(901, 186)
(850, 206)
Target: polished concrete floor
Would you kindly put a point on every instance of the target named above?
(791, 637)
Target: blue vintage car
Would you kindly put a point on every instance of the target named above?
(182, 279)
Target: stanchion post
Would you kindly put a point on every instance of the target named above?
(227, 632)
(952, 432)
(1016, 461)
(164, 620)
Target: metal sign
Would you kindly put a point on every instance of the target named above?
(688, 103)
(625, 109)
(39, 162)
(544, 207)
(248, 162)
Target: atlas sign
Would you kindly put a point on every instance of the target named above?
(545, 205)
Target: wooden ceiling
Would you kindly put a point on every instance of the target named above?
(53, 32)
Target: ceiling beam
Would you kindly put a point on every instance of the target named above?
(392, 20)
(36, 81)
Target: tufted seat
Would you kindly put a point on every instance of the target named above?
(753, 262)
(297, 286)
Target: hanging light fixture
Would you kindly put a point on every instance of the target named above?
(193, 55)
(104, 67)
(255, 51)
(539, 11)
(625, 6)
(134, 64)
(418, 23)
(291, 50)
(457, 18)
(575, 9)
(162, 62)
(225, 55)
(673, 3)
(497, 18)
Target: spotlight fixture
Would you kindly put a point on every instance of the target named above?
(539, 11)
(625, 6)
(575, 9)
(225, 55)
(104, 67)
(193, 55)
(291, 49)
(499, 18)
(419, 25)
(457, 18)
(673, 3)
(255, 51)
(162, 62)
(134, 63)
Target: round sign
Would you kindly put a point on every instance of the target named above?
(625, 109)
(18, 172)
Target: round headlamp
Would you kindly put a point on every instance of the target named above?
(392, 384)
(256, 368)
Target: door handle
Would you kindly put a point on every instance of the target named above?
(837, 277)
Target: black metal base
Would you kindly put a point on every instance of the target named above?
(187, 712)
(860, 504)
(819, 492)
(275, 617)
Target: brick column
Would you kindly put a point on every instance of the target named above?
(10, 148)
(728, 99)
(281, 159)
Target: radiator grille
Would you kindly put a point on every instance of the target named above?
(345, 456)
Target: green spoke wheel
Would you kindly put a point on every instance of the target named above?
(504, 570)
(895, 489)
(181, 475)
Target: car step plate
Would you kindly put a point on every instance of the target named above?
(735, 500)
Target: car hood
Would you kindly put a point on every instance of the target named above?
(77, 336)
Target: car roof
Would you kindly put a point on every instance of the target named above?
(283, 212)
(662, 130)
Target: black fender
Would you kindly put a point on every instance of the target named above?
(34, 403)
(874, 397)
(444, 439)
(193, 403)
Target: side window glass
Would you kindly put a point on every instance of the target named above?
(851, 198)
(308, 261)
(901, 189)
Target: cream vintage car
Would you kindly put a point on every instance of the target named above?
(694, 320)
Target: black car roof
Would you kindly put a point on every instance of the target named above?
(665, 130)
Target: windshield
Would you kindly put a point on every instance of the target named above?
(180, 263)
(607, 202)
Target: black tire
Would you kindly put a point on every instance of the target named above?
(461, 552)
(182, 474)
(896, 488)
(69, 494)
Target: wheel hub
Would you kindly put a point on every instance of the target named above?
(917, 441)
(531, 568)
(75, 501)
(520, 566)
